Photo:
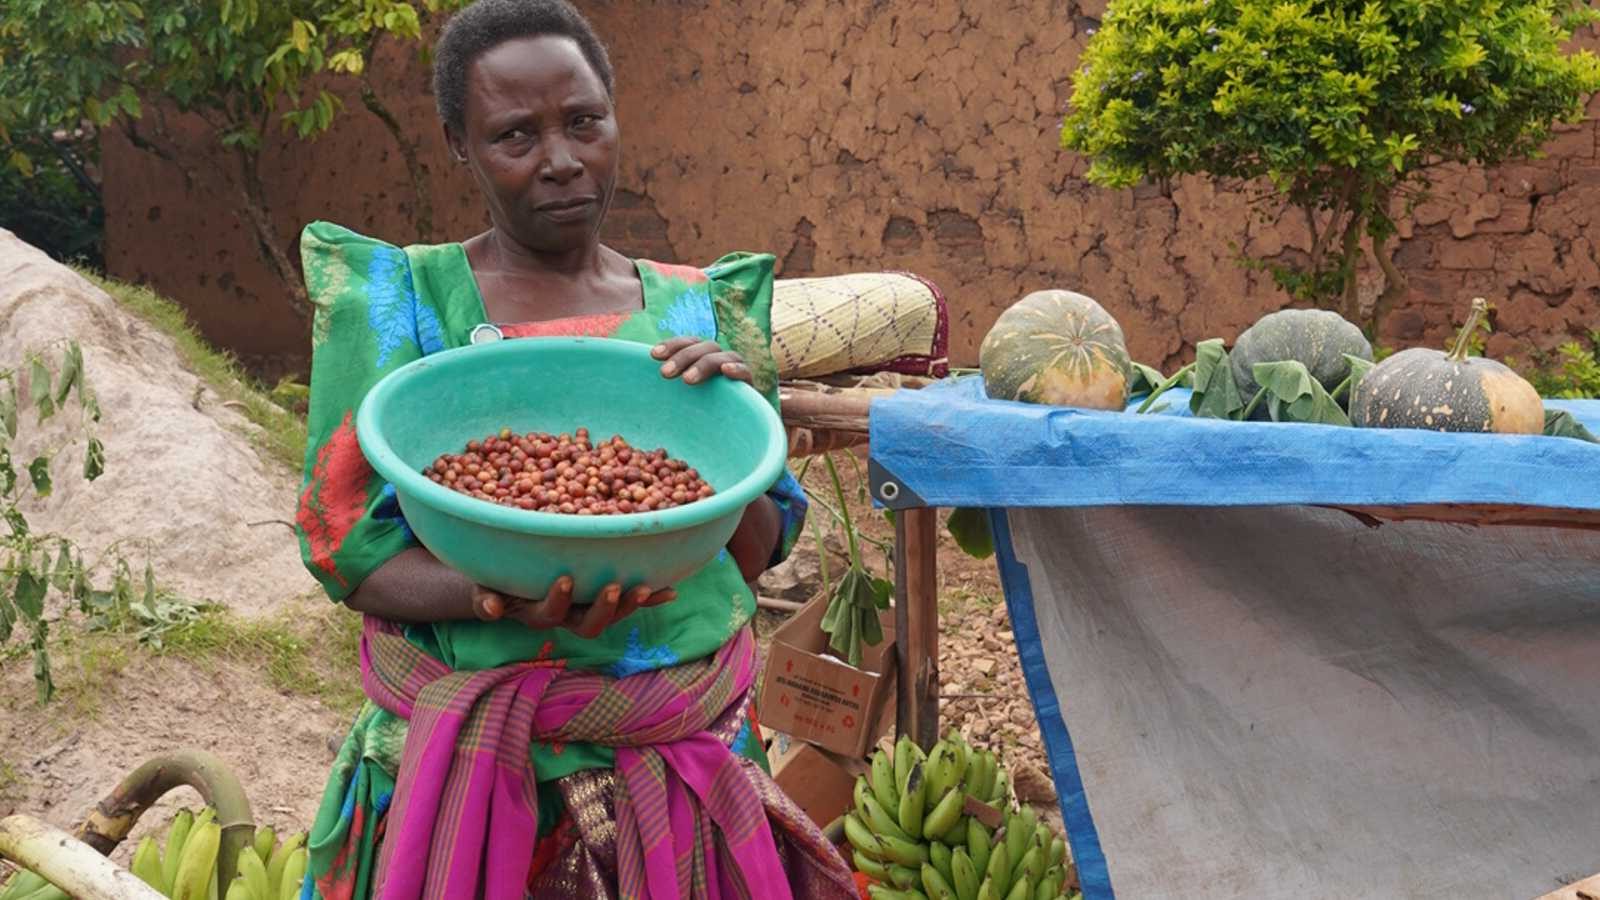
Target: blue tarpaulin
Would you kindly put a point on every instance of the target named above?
(1243, 693)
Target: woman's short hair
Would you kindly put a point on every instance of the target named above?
(486, 24)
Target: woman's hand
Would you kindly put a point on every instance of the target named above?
(697, 360)
(611, 605)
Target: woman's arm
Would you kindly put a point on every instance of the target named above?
(755, 541)
(413, 587)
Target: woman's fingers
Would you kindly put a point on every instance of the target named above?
(488, 605)
(659, 598)
(601, 613)
(553, 609)
(697, 361)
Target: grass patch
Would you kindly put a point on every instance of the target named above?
(282, 434)
(304, 650)
(10, 780)
(85, 665)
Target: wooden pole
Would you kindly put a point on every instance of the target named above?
(916, 623)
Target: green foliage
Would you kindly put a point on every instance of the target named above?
(1573, 372)
(1336, 108)
(239, 63)
(34, 566)
(52, 207)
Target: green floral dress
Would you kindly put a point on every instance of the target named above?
(379, 307)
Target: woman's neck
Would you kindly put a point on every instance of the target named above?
(514, 259)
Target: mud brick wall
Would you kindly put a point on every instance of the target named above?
(915, 134)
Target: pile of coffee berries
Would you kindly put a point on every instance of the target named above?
(568, 474)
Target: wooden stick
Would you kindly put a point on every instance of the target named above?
(829, 412)
(773, 603)
(916, 622)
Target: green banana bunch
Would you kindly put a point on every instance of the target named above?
(269, 870)
(1026, 860)
(26, 885)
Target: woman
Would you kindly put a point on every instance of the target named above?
(540, 746)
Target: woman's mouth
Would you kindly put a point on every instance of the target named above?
(571, 209)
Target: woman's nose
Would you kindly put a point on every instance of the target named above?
(561, 165)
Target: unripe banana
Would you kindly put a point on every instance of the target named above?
(147, 864)
(957, 834)
(979, 844)
(254, 872)
(975, 781)
(1020, 891)
(986, 890)
(240, 891)
(22, 884)
(906, 853)
(934, 771)
(1032, 861)
(199, 863)
(1058, 851)
(177, 837)
(48, 892)
(939, 855)
(960, 759)
(865, 864)
(913, 801)
(883, 781)
(880, 820)
(963, 874)
(946, 813)
(904, 877)
(999, 871)
(999, 785)
(1050, 886)
(879, 892)
(1018, 833)
(266, 840)
(205, 816)
(902, 763)
(860, 837)
(293, 873)
(280, 858)
(1040, 860)
(937, 886)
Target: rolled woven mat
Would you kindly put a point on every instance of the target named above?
(859, 323)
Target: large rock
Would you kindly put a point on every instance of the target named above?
(181, 483)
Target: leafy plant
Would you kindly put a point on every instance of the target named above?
(33, 564)
(1572, 373)
(240, 67)
(1336, 109)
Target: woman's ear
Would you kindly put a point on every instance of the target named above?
(458, 147)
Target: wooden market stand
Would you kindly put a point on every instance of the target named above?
(832, 415)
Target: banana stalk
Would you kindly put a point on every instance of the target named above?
(75, 867)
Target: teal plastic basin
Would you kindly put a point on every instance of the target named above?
(434, 405)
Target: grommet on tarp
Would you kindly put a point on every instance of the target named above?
(486, 333)
(889, 490)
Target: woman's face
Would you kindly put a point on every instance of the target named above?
(540, 136)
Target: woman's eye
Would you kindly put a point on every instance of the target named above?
(513, 135)
(585, 120)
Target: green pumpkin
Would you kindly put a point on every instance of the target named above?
(1438, 391)
(1058, 348)
(1317, 338)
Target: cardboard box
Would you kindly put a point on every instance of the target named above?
(817, 781)
(824, 700)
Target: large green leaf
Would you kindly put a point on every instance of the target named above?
(8, 409)
(1560, 423)
(39, 381)
(1145, 379)
(29, 593)
(970, 528)
(1216, 395)
(1294, 396)
(71, 372)
(39, 471)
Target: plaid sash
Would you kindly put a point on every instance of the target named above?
(465, 774)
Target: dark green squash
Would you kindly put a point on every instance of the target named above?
(1438, 391)
(1058, 348)
(1316, 338)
